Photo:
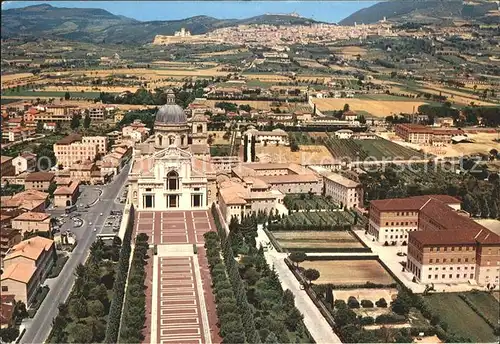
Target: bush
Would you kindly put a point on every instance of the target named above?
(381, 303)
(366, 304)
(352, 302)
(390, 319)
(58, 266)
(339, 304)
(366, 321)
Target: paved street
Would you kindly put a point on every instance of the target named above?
(38, 328)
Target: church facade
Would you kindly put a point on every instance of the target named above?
(172, 169)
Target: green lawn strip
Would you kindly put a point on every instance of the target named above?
(460, 318)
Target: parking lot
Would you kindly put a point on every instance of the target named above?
(112, 222)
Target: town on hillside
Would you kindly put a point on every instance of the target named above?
(271, 179)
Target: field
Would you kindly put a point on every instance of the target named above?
(308, 154)
(25, 94)
(372, 294)
(349, 271)
(376, 108)
(316, 239)
(460, 317)
(376, 149)
(303, 202)
(218, 138)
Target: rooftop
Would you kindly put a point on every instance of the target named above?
(5, 159)
(20, 272)
(67, 190)
(31, 248)
(32, 216)
(70, 139)
(40, 177)
(410, 203)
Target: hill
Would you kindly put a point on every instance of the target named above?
(98, 25)
(420, 11)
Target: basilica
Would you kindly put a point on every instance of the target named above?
(172, 170)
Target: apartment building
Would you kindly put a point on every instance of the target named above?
(287, 178)
(20, 134)
(97, 113)
(6, 167)
(343, 191)
(421, 134)
(238, 199)
(452, 248)
(24, 162)
(26, 266)
(30, 222)
(76, 149)
(39, 181)
(391, 220)
(56, 113)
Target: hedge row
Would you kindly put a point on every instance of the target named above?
(331, 249)
(250, 333)
(367, 285)
(115, 309)
(134, 314)
(230, 323)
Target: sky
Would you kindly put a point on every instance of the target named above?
(327, 11)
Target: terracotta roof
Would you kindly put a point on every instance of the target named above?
(20, 272)
(454, 237)
(67, 190)
(31, 216)
(31, 195)
(410, 203)
(40, 177)
(31, 248)
(69, 139)
(339, 179)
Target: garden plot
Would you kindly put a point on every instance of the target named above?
(349, 271)
(316, 239)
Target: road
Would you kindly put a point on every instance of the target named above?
(38, 328)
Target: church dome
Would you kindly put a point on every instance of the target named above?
(170, 113)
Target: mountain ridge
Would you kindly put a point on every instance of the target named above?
(98, 25)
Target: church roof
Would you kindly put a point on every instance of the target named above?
(170, 113)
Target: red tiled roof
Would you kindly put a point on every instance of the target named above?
(410, 203)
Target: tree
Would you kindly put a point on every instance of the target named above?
(288, 299)
(39, 126)
(9, 334)
(346, 107)
(297, 257)
(52, 187)
(293, 319)
(67, 96)
(311, 275)
(75, 122)
(86, 121)
(78, 308)
(400, 306)
(95, 308)
(80, 333)
(271, 339)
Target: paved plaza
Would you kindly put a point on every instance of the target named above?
(181, 307)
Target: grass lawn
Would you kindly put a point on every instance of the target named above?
(460, 318)
(486, 303)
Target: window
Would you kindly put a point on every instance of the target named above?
(172, 180)
(450, 275)
(466, 260)
(452, 260)
(431, 260)
(437, 260)
(458, 275)
(471, 276)
(446, 249)
(438, 249)
(453, 248)
(444, 260)
(442, 276)
(5, 288)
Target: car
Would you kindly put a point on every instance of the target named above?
(95, 229)
(90, 223)
(301, 287)
(101, 214)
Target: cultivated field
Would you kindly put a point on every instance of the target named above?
(373, 107)
(308, 154)
(221, 53)
(460, 318)
(316, 239)
(486, 303)
(369, 150)
(151, 73)
(78, 89)
(349, 271)
(255, 104)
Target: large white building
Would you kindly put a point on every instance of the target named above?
(172, 169)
